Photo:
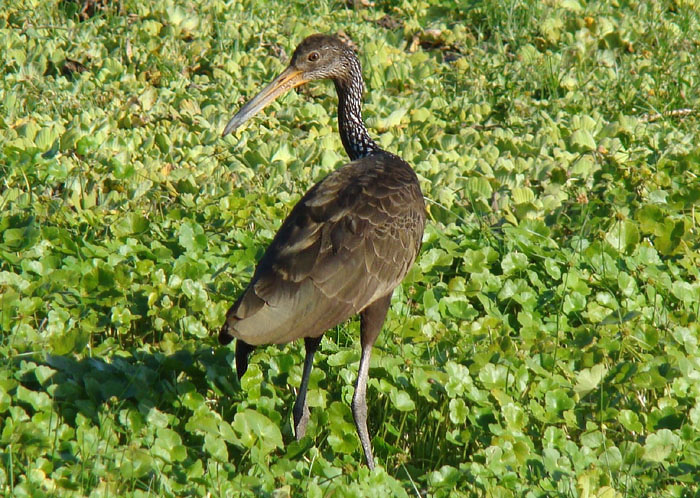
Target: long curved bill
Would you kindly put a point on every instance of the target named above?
(288, 79)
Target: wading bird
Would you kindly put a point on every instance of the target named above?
(345, 246)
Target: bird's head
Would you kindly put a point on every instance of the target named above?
(317, 57)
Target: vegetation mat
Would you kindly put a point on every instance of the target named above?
(545, 343)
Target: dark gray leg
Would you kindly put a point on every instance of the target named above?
(301, 410)
(371, 321)
(243, 350)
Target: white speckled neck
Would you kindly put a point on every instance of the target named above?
(353, 132)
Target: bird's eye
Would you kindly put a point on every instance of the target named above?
(313, 56)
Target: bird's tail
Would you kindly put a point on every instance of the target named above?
(243, 349)
(225, 335)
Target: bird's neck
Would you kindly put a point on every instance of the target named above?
(353, 132)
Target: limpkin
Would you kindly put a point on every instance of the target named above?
(344, 247)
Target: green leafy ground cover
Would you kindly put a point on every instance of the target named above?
(545, 343)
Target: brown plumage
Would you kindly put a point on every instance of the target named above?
(345, 246)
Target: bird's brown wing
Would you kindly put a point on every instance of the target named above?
(349, 241)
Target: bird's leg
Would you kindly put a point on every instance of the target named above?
(243, 350)
(371, 321)
(301, 410)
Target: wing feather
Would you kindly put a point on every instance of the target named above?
(349, 241)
